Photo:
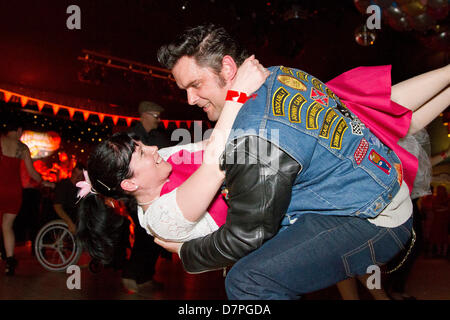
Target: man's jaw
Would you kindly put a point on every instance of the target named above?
(206, 107)
(210, 110)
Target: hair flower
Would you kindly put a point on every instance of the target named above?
(85, 186)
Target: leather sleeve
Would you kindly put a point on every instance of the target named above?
(259, 179)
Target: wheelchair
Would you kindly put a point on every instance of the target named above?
(56, 247)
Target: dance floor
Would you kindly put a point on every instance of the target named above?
(429, 280)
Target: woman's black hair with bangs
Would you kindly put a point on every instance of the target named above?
(99, 226)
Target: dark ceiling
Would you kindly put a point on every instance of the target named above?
(38, 53)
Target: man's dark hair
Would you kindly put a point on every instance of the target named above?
(208, 44)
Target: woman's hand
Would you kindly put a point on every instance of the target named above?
(250, 76)
(173, 247)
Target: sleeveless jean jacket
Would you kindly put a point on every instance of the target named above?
(345, 169)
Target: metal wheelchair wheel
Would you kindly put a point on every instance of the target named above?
(56, 247)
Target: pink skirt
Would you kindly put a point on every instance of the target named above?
(366, 91)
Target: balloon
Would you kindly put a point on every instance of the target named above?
(422, 22)
(438, 40)
(362, 5)
(393, 12)
(364, 36)
(396, 18)
(400, 24)
(413, 8)
(442, 40)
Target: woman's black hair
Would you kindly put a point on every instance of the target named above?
(99, 226)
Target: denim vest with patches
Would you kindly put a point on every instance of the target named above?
(345, 171)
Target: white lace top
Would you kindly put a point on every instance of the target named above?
(164, 218)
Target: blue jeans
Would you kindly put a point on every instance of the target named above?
(315, 252)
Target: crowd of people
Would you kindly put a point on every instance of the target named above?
(300, 186)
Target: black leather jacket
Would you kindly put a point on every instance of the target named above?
(259, 191)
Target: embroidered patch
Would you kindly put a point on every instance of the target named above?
(225, 194)
(278, 101)
(331, 94)
(357, 127)
(361, 151)
(330, 117)
(338, 134)
(317, 84)
(292, 82)
(344, 111)
(399, 169)
(380, 162)
(286, 70)
(295, 108)
(302, 76)
(312, 116)
(319, 97)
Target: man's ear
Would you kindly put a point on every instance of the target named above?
(229, 68)
(128, 185)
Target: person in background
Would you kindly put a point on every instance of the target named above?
(147, 127)
(12, 152)
(65, 200)
(27, 222)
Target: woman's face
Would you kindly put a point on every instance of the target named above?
(149, 169)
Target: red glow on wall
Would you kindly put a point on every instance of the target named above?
(54, 173)
(41, 144)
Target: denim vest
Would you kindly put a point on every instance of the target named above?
(345, 171)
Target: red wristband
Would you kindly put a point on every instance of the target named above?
(444, 155)
(237, 96)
